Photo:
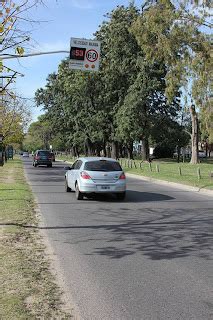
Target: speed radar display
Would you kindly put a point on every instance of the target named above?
(84, 54)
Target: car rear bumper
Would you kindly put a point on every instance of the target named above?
(102, 188)
(43, 162)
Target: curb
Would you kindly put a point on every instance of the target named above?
(172, 184)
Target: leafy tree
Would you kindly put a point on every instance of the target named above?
(39, 135)
(172, 35)
(145, 105)
(72, 102)
(147, 59)
(119, 64)
(167, 134)
(15, 119)
(12, 41)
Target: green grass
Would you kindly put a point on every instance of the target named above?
(29, 290)
(169, 170)
(65, 158)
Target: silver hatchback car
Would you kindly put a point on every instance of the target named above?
(95, 175)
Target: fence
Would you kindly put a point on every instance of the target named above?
(200, 174)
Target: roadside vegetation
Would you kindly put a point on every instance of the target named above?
(14, 40)
(153, 86)
(199, 175)
(28, 288)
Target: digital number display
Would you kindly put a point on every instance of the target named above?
(77, 53)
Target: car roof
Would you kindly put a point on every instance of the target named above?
(87, 159)
(42, 150)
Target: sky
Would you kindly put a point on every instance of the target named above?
(63, 19)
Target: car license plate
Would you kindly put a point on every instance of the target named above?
(105, 187)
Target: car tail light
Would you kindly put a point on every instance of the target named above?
(122, 176)
(85, 175)
(37, 157)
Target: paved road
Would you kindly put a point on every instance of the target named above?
(147, 258)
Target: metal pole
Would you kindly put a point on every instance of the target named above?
(17, 56)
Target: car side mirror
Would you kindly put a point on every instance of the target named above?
(67, 168)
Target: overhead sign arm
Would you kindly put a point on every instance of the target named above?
(17, 56)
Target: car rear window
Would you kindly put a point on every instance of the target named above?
(44, 153)
(102, 165)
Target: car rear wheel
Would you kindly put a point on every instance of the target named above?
(79, 195)
(49, 166)
(121, 196)
(67, 189)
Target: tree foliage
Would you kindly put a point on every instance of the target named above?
(172, 34)
(15, 120)
(150, 59)
(13, 39)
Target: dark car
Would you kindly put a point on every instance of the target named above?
(42, 157)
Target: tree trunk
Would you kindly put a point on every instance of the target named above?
(145, 149)
(130, 150)
(209, 148)
(178, 153)
(120, 150)
(194, 135)
(108, 150)
(88, 147)
(98, 149)
(114, 152)
(75, 151)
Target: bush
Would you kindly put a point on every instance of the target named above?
(163, 151)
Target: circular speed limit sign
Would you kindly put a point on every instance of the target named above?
(92, 55)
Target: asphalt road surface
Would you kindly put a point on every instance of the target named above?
(146, 258)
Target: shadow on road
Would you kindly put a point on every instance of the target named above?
(120, 230)
(165, 235)
(131, 196)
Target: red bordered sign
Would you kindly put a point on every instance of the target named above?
(92, 55)
(84, 54)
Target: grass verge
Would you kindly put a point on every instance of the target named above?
(169, 170)
(29, 290)
(185, 173)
